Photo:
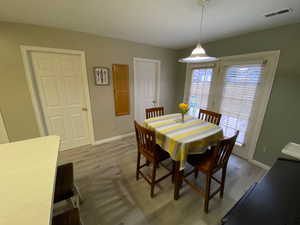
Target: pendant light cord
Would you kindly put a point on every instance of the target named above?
(202, 18)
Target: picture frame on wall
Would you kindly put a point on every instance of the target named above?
(101, 76)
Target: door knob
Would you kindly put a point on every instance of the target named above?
(84, 109)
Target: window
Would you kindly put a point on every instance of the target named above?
(238, 98)
(199, 91)
(239, 88)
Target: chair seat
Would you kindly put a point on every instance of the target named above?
(202, 162)
(161, 154)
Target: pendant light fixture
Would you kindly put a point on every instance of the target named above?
(199, 55)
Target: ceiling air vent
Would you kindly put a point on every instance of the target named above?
(282, 11)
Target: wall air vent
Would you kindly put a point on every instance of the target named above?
(279, 12)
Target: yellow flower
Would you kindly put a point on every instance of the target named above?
(184, 108)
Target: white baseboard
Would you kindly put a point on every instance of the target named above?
(259, 164)
(99, 142)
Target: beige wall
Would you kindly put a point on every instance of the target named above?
(15, 101)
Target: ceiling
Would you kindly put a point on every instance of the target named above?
(165, 23)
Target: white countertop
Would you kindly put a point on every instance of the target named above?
(27, 178)
(292, 149)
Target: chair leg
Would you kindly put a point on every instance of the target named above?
(207, 192)
(138, 165)
(173, 171)
(78, 193)
(153, 179)
(196, 174)
(223, 182)
(74, 201)
(177, 179)
(181, 179)
(147, 162)
(77, 201)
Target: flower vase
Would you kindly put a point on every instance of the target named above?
(182, 117)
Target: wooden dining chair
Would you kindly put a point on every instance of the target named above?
(153, 154)
(154, 112)
(209, 163)
(65, 188)
(70, 217)
(210, 116)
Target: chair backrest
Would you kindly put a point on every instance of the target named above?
(154, 112)
(145, 140)
(64, 182)
(223, 150)
(210, 116)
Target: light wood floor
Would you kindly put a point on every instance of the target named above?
(105, 175)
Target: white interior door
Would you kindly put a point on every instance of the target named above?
(146, 77)
(60, 86)
(3, 133)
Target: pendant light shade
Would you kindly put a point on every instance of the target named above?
(199, 55)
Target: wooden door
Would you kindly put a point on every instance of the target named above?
(60, 85)
(121, 89)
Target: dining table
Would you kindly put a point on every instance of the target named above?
(181, 138)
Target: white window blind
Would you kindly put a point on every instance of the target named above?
(199, 91)
(238, 98)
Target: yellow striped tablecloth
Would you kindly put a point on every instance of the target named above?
(180, 139)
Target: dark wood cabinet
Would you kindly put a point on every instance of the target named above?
(275, 200)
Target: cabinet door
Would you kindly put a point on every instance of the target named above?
(121, 88)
